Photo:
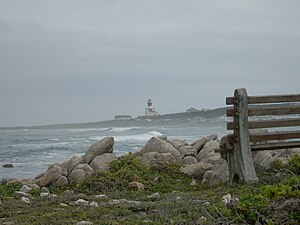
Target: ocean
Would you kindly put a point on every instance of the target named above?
(31, 151)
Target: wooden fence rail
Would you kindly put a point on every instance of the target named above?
(236, 147)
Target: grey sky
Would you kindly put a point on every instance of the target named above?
(67, 61)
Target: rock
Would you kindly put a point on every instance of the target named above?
(84, 223)
(157, 179)
(263, 159)
(21, 194)
(77, 175)
(189, 160)
(85, 167)
(198, 145)
(45, 190)
(177, 143)
(202, 220)
(101, 162)
(44, 194)
(8, 165)
(161, 146)
(154, 197)
(103, 146)
(163, 137)
(155, 158)
(193, 183)
(101, 196)
(196, 170)
(187, 151)
(81, 202)
(61, 181)
(94, 204)
(136, 186)
(53, 173)
(226, 199)
(25, 189)
(34, 186)
(63, 205)
(25, 200)
(74, 161)
(208, 154)
(219, 174)
(65, 166)
(37, 177)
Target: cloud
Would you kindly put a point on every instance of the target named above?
(77, 61)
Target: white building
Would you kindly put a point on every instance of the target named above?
(149, 111)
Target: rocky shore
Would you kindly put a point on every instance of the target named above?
(165, 182)
(199, 160)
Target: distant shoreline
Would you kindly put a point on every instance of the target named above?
(130, 123)
(196, 118)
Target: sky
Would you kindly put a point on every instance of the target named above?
(71, 61)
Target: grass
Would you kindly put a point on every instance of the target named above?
(273, 201)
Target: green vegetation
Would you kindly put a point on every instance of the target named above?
(269, 202)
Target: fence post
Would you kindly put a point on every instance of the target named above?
(239, 160)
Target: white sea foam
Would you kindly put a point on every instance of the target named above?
(139, 137)
(122, 129)
(88, 129)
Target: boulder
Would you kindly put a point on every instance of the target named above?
(25, 189)
(189, 160)
(85, 167)
(101, 162)
(103, 146)
(65, 166)
(177, 143)
(161, 146)
(53, 173)
(196, 170)
(74, 161)
(187, 151)
(76, 175)
(219, 174)
(208, 154)
(61, 181)
(263, 159)
(155, 158)
(136, 186)
(198, 145)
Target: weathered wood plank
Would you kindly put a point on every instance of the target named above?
(230, 112)
(273, 99)
(274, 146)
(274, 136)
(284, 110)
(267, 123)
(267, 110)
(267, 99)
(230, 100)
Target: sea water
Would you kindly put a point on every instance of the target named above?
(31, 151)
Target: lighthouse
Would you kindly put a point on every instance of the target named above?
(149, 111)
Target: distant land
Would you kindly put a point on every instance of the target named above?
(194, 118)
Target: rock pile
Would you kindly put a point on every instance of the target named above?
(198, 160)
(97, 157)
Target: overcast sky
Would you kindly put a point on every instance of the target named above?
(64, 61)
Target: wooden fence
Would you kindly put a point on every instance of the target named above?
(248, 113)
